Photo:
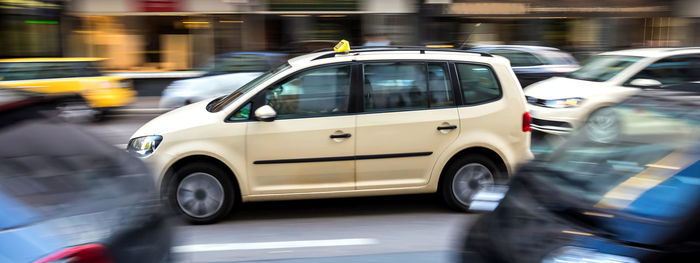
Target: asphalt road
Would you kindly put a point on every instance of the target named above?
(415, 228)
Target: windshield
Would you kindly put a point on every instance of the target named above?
(603, 68)
(221, 103)
(645, 163)
(559, 58)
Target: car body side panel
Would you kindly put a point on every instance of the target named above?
(99, 92)
(224, 142)
(269, 144)
(406, 132)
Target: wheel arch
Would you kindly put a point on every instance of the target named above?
(199, 158)
(479, 150)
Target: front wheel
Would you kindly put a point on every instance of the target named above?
(465, 177)
(603, 125)
(202, 193)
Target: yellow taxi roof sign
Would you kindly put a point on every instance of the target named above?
(342, 46)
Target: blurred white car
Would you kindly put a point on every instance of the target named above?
(228, 72)
(561, 104)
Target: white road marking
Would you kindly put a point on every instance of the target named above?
(274, 245)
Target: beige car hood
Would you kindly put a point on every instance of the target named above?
(182, 118)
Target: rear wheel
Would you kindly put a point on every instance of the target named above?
(466, 176)
(202, 193)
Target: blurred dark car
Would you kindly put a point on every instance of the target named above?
(533, 63)
(66, 196)
(633, 199)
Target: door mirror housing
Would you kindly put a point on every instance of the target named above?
(265, 113)
(645, 83)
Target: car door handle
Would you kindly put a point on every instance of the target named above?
(338, 136)
(451, 127)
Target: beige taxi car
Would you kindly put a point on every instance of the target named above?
(374, 121)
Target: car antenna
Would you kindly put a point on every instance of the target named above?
(470, 35)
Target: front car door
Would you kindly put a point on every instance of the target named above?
(409, 119)
(310, 147)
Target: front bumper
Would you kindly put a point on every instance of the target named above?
(555, 120)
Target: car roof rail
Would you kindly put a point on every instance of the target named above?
(682, 48)
(421, 49)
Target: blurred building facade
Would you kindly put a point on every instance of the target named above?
(184, 34)
(30, 28)
(147, 35)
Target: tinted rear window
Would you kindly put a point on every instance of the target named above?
(47, 70)
(479, 84)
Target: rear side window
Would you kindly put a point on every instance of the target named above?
(439, 85)
(479, 84)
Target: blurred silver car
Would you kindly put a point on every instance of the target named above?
(228, 72)
(533, 63)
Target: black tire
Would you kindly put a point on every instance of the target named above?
(229, 192)
(472, 161)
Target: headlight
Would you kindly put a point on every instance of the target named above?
(563, 103)
(144, 146)
(577, 254)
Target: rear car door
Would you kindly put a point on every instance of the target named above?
(310, 147)
(409, 119)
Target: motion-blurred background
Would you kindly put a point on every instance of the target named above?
(138, 36)
(157, 35)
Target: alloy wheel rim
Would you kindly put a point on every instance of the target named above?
(200, 195)
(468, 180)
(602, 126)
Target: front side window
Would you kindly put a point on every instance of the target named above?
(673, 70)
(396, 86)
(479, 84)
(19, 70)
(317, 92)
(518, 58)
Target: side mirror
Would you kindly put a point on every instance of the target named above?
(645, 83)
(265, 113)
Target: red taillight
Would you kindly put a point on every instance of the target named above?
(93, 253)
(527, 120)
